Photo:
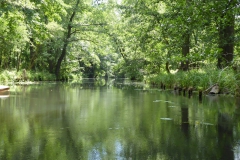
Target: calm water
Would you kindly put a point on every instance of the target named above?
(115, 121)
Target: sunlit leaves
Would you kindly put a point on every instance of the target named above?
(54, 29)
(26, 4)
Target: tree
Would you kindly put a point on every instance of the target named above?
(13, 34)
(225, 24)
(66, 39)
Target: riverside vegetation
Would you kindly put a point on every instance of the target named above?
(160, 42)
(200, 79)
(228, 79)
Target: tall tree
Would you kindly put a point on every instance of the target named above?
(225, 25)
(66, 39)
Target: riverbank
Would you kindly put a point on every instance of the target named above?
(227, 79)
(7, 76)
(198, 80)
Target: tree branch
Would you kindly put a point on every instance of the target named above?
(85, 25)
(94, 24)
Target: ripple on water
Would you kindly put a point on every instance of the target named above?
(166, 119)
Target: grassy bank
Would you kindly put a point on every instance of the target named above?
(200, 79)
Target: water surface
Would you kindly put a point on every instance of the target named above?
(98, 120)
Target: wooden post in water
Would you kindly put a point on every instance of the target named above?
(162, 86)
(200, 95)
(180, 91)
(190, 90)
(184, 91)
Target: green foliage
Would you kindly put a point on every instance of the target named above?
(129, 39)
(75, 77)
(41, 76)
(8, 76)
(132, 69)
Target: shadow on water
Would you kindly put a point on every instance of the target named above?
(185, 120)
(225, 134)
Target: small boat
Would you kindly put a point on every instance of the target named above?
(4, 88)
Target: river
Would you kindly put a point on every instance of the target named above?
(98, 120)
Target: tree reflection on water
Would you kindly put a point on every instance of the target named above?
(85, 121)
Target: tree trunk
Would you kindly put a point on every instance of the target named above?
(18, 60)
(185, 52)
(186, 45)
(64, 49)
(32, 53)
(50, 60)
(167, 67)
(226, 42)
(60, 59)
(51, 66)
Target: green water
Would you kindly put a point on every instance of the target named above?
(63, 121)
